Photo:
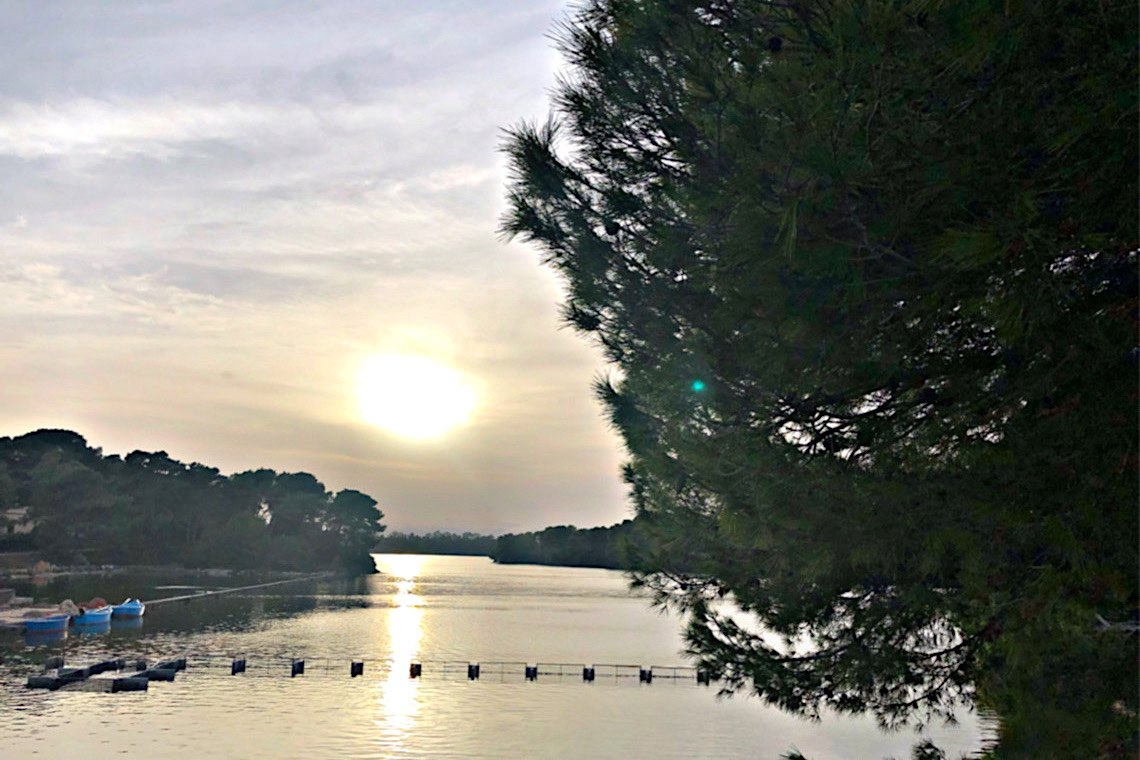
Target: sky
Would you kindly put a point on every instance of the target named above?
(215, 215)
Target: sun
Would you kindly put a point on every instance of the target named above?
(414, 397)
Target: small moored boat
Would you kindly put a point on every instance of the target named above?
(131, 608)
(96, 616)
(47, 624)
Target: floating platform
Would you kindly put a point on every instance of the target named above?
(85, 678)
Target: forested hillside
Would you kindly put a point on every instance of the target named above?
(148, 508)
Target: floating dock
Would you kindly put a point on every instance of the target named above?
(56, 675)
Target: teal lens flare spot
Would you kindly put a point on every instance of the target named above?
(698, 385)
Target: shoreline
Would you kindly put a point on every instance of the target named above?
(20, 609)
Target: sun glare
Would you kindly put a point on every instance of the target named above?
(414, 397)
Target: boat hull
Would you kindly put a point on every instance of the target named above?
(93, 617)
(49, 624)
(131, 609)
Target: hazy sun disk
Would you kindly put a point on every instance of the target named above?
(414, 397)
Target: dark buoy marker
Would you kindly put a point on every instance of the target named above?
(356, 669)
(415, 670)
(298, 668)
(158, 674)
(69, 675)
(473, 671)
(106, 665)
(588, 674)
(531, 672)
(44, 682)
(131, 683)
(645, 675)
(237, 666)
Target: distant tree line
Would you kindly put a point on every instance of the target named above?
(572, 547)
(436, 542)
(148, 508)
(564, 545)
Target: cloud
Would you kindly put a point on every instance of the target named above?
(216, 211)
(47, 289)
(101, 128)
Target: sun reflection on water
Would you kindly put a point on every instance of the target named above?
(398, 699)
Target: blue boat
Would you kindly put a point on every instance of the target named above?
(92, 617)
(131, 608)
(47, 624)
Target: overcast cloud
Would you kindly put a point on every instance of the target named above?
(213, 212)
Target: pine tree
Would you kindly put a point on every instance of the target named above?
(868, 273)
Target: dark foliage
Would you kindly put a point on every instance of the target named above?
(869, 271)
(568, 546)
(436, 542)
(147, 508)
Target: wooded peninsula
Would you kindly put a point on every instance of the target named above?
(73, 505)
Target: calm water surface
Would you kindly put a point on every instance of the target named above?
(442, 612)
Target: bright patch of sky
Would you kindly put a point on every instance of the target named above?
(214, 213)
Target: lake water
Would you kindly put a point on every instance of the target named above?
(443, 612)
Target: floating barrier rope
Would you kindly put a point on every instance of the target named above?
(295, 667)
